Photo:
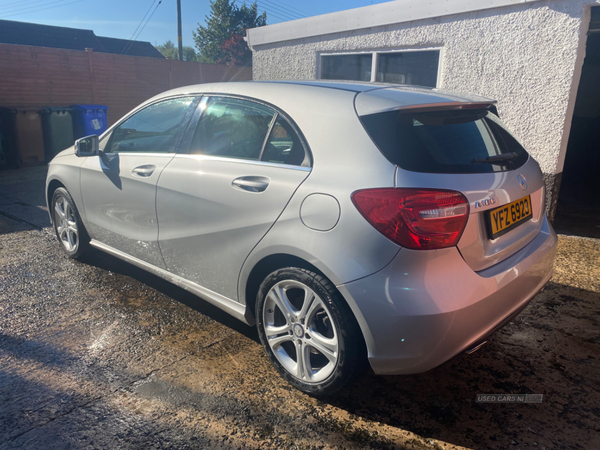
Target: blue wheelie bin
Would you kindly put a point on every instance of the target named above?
(88, 120)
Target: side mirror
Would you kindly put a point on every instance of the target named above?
(87, 146)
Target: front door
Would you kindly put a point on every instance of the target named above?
(216, 202)
(119, 185)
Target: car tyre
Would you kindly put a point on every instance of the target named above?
(67, 224)
(308, 331)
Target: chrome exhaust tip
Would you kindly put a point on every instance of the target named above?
(472, 350)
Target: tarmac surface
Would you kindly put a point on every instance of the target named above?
(100, 354)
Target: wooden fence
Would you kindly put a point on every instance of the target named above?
(40, 76)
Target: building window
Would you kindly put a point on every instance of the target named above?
(347, 67)
(419, 68)
(402, 67)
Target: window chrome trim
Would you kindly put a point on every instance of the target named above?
(171, 154)
(253, 162)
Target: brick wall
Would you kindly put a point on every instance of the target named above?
(40, 76)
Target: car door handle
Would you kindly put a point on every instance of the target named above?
(251, 184)
(144, 171)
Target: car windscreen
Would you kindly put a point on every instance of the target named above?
(451, 141)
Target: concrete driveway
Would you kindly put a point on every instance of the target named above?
(102, 355)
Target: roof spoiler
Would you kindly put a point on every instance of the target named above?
(447, 106)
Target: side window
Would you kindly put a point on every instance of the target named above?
(153, 129)
(233, 128)
(284, 145)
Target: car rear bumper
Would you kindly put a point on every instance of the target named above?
(427, 306)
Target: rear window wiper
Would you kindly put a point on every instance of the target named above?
(500, 160)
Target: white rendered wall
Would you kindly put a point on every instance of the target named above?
(525, 56)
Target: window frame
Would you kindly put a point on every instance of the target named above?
(375, 60)
(108, 134)
(185, 145)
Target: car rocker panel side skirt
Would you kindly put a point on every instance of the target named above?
(228, 305)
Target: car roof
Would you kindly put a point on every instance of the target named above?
(369, 97)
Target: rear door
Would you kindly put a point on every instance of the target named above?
(215, 202)
(119, 185)
(470, 151)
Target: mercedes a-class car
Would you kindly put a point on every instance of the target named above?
(350, 222)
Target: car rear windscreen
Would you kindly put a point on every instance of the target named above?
(452, 141)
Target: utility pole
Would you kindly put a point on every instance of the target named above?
(179, 37)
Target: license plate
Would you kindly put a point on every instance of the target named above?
(507, 217)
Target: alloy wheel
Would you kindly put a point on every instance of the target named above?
(66, 224)
(300, 331)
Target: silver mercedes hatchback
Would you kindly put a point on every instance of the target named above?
(349, 222)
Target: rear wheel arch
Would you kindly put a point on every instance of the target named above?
(270, 264)
(266, 266)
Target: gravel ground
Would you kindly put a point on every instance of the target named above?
(100, 354)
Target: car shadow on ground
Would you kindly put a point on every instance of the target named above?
(60, 410)
(108, 262)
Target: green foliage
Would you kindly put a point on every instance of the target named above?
(189, 54)
(221, 40)
(169, 50)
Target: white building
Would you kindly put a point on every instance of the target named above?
(527, 54)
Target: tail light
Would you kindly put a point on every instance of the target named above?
(420, 219)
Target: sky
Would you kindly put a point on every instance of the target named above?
(120, 18)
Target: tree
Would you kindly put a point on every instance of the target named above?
(189, 54)
(169, 50)
(222, 39)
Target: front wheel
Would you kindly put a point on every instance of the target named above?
(308, 331)
(67, 224)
